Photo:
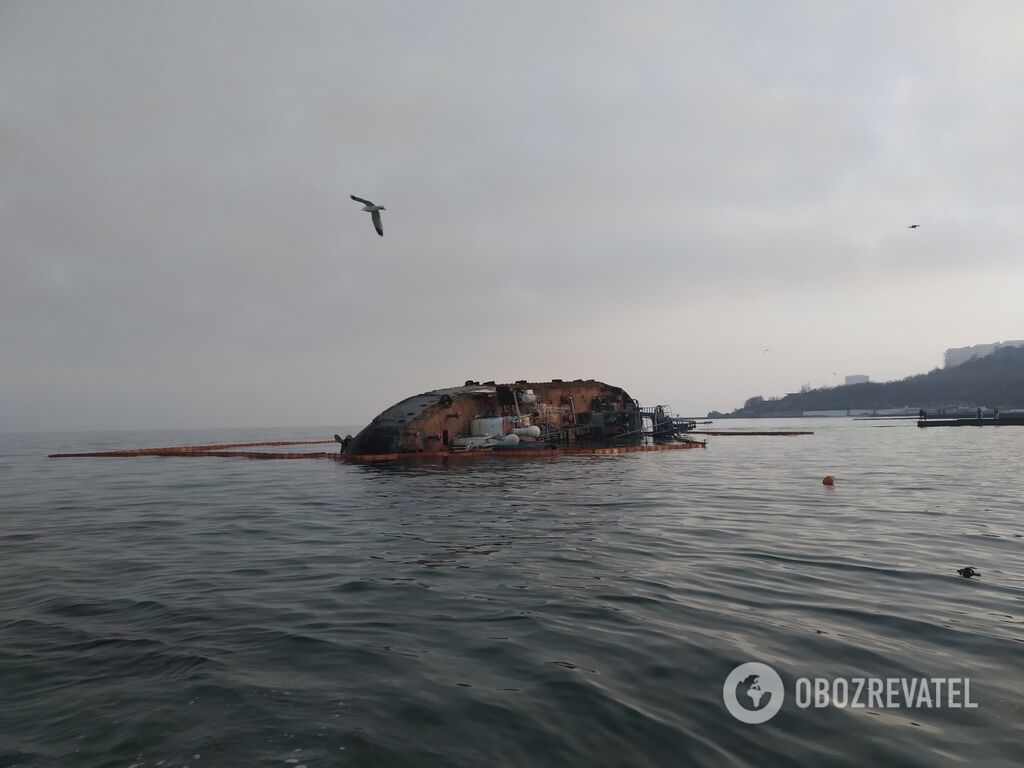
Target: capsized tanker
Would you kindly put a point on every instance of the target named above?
(511, 419)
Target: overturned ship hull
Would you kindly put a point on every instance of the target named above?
(509, 419)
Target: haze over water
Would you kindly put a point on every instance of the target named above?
(578, 611)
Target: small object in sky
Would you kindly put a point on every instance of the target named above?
(767, 350)
(968, 572)
(828, 480)
(374, 211)
(913, 226)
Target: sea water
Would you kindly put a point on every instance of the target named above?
(537, 612)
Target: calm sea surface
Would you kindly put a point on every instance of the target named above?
(576, 611)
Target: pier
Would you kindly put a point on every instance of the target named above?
(973, 421)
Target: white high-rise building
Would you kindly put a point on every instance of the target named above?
(959, 355)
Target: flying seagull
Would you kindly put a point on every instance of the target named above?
(374, 211)
(913, 226)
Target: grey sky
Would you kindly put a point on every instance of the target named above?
(645, 193)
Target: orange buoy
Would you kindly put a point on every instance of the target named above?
(828, 480)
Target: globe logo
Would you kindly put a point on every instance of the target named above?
(753, 693)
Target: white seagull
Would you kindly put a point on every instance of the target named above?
(374, 211)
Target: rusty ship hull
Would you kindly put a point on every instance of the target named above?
(521, 419)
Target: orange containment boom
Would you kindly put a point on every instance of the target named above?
(220, 449)
(223, 450)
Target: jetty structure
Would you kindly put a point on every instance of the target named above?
(520, 419)
(1008, 420)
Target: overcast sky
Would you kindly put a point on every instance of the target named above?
(650, 194)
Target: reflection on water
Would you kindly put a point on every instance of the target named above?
(581, 610)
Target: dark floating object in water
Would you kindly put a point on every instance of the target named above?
(968, 572)
(1002, 420)
(521, 419)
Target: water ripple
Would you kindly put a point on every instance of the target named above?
(576, 611)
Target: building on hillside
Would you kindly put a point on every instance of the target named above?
(905, 411)
(858, 378)
(959, 355)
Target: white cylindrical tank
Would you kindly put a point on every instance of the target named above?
(506, 440)
(483, 426)
(533, 432)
